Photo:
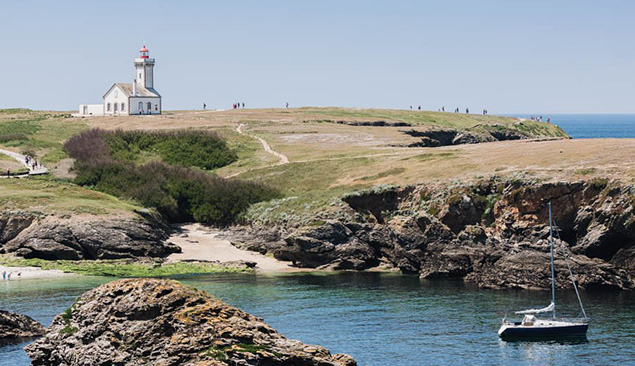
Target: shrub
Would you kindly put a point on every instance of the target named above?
(105, 161)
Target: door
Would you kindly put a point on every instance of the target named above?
(140, 107)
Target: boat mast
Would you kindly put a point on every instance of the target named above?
(553, 277)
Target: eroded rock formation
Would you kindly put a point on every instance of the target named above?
(493, 233)
(15, 327)
(48, 237)
(161, 322)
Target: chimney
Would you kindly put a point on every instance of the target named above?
(134, 88)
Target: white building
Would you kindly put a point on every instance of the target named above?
(138, 97)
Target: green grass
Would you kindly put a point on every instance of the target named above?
(40, 132)
(122, 268)
(58, 197)
(298, 177)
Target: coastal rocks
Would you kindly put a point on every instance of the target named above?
(161, 323)
(475, 135)
(492, 232)
(103, 238)
(11, 224)
(14, 327)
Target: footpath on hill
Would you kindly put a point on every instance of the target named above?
(22, 159)
(283, 158)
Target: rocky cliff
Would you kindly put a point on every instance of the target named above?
(161, 322)
(15, 327)
(37, 236)
(493, 233)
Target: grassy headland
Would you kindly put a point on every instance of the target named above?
(335, 151)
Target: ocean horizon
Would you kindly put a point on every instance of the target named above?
(588, 126)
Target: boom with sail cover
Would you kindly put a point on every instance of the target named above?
(548, 309)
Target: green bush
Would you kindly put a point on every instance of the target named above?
(106, 162)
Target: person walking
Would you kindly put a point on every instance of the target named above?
(4, 275)
(204, 106)
(467, 111)
(287, 104)
(8, 173)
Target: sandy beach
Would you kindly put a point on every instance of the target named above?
(201, 243)
(27, 273)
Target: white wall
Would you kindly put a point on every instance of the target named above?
(116, 98)
(134, 105)
(91, 110)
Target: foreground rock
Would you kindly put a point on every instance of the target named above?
(493, 233)
(31, 236)
(14, 327)
(161, 323)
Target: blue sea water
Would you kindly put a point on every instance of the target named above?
(586, 126)
(381, 319)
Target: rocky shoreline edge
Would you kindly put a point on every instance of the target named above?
(491, 232)
(164, 323)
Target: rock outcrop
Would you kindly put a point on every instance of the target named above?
(161, 322)
(51, 237)
(474, 135)
(493, 233)
(15, 327)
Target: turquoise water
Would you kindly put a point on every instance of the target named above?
(380, 319)
(585, 126)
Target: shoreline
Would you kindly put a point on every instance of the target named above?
(201, 243)
(30, 273)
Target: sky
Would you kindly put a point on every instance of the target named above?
(557, 56)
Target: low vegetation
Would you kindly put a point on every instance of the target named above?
(122, 268)
(41, 134)
(105, 160)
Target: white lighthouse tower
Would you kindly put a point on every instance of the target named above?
(144, 65)
(138, 97)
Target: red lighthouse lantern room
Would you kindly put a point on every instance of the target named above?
(144, 52)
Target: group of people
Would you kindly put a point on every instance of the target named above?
(239, 105)
(539, 119)
(29, 161)
(7, 276)
(457, 110)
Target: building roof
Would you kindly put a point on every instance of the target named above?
(142, 91)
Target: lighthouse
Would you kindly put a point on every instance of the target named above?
(136, 98)
(144, 66)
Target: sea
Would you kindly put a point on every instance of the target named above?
(381, 319)
(385, 319)
(588, 126)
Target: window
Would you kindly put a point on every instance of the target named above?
(108, 107)
(123, 107)
(140, 107)
(139, 76)
(149, 107)
(116, 93)
(115, 105)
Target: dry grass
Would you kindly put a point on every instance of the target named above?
(326, 155)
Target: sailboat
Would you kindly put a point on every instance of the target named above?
(532, 327)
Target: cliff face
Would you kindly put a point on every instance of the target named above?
(493, 233)
(161, 322)
(31, 236)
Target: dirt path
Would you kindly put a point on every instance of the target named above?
(22, 160)
(283, 158)
(201, 243)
